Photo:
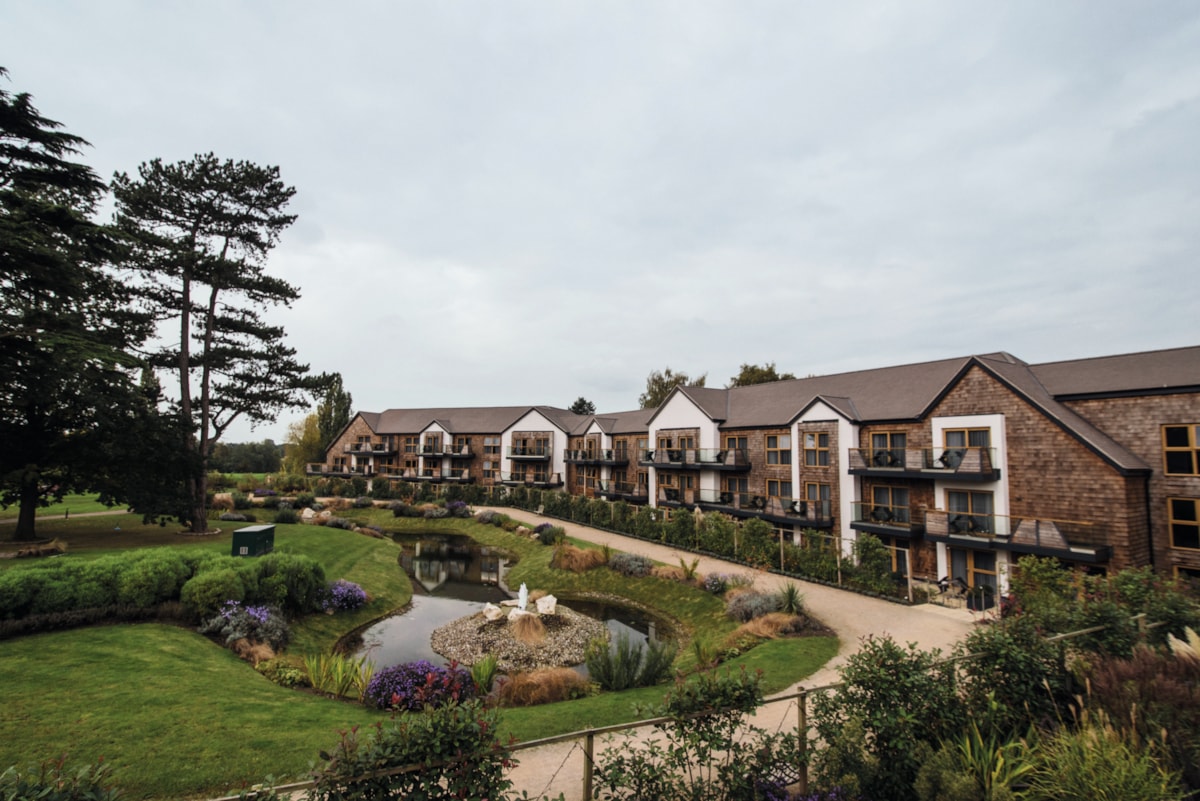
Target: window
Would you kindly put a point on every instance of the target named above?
(816, 450)
(643, 479)
(968, 437)
(1190, 574)
(736, 443)
(666, 479)
(491, 446)
(1181, 448)
(818, 496)
(970, 512)
(737, 485)
(462, 444)
(489, 469)
(1184, 522)
(779, 449)
(779, 489)
(976, 568)
(898, 548)
(412, 444)
(888, 505)
(887, 449)
(433, 443)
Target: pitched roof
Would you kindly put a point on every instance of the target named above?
(1130, 373)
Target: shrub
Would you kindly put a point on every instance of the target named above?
(283, 673)
(631, 565)
(205, 593)
(286, 516)
(363, 503)
(549, 534)
(413, 686)
(236, 621)
(340, 522)
(458, 509)
(343, 596)
(154, 576)
(240, 500)
(749, 605)
(53, 782)
(437, 513)
(622, 666)
(271, 501)
(791, 601)
(716, 583)
(543, 686)
(455, 745)
(291, 581)
(235, 517)
(303, 500)
(487, 517)
(897, 705)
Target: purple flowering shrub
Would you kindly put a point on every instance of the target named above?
(458, 509)
(413, 686)
(343, 596)
(235, 621)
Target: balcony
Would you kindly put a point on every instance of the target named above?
(1072, 540)
(432, 475)
(622, 491)
(961, 464)
(890, 521)
(794, 511)
(731, 460)
(368, 448)
(530, 453)
(531, 479)
(337, 471)
(612, 458)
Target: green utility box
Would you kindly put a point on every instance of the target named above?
(253, 540)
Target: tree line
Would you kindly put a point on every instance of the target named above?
(128, 347)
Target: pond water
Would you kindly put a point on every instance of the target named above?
(453, 576)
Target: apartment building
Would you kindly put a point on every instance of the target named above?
(959, 465)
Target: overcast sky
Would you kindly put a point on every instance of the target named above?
(506, 203)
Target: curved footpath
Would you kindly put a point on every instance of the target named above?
(558, 768)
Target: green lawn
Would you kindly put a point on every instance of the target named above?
(70, 505)
(175, 715)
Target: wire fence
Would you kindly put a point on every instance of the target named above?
(584, 741)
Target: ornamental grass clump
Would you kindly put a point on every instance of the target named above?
(543, 686)
(413, 686)
(343, 596)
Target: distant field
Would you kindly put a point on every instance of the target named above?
(71, 504)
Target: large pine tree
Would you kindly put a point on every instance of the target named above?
(66, 329)
(201, 233)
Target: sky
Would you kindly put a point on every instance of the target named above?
(504, 202)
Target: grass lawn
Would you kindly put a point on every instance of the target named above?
(175, 715)
(70, 505)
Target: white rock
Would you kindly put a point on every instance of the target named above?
(492, 612)
(523, 531)
(307, 514)
(325, 514)
(517, 613)
(547, 605)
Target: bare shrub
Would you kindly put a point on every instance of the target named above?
(543, 686)
(529, 629)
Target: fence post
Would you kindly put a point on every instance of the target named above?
(802, 731)
(589, 749)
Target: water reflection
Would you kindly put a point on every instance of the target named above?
(453, 576)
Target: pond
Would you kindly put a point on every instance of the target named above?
(452, 577)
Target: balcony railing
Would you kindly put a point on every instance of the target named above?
(532, 479)
(368, 447)
(623, 489)
(431, 474)
(606, 456)
(530, 452)
(321, 469)
(877, 514)
(728, 459)
(962, 463)
(1068, 539)
(797, 510)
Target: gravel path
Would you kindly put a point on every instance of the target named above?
(558, 768)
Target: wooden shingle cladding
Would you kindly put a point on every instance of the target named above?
(1077, 445)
